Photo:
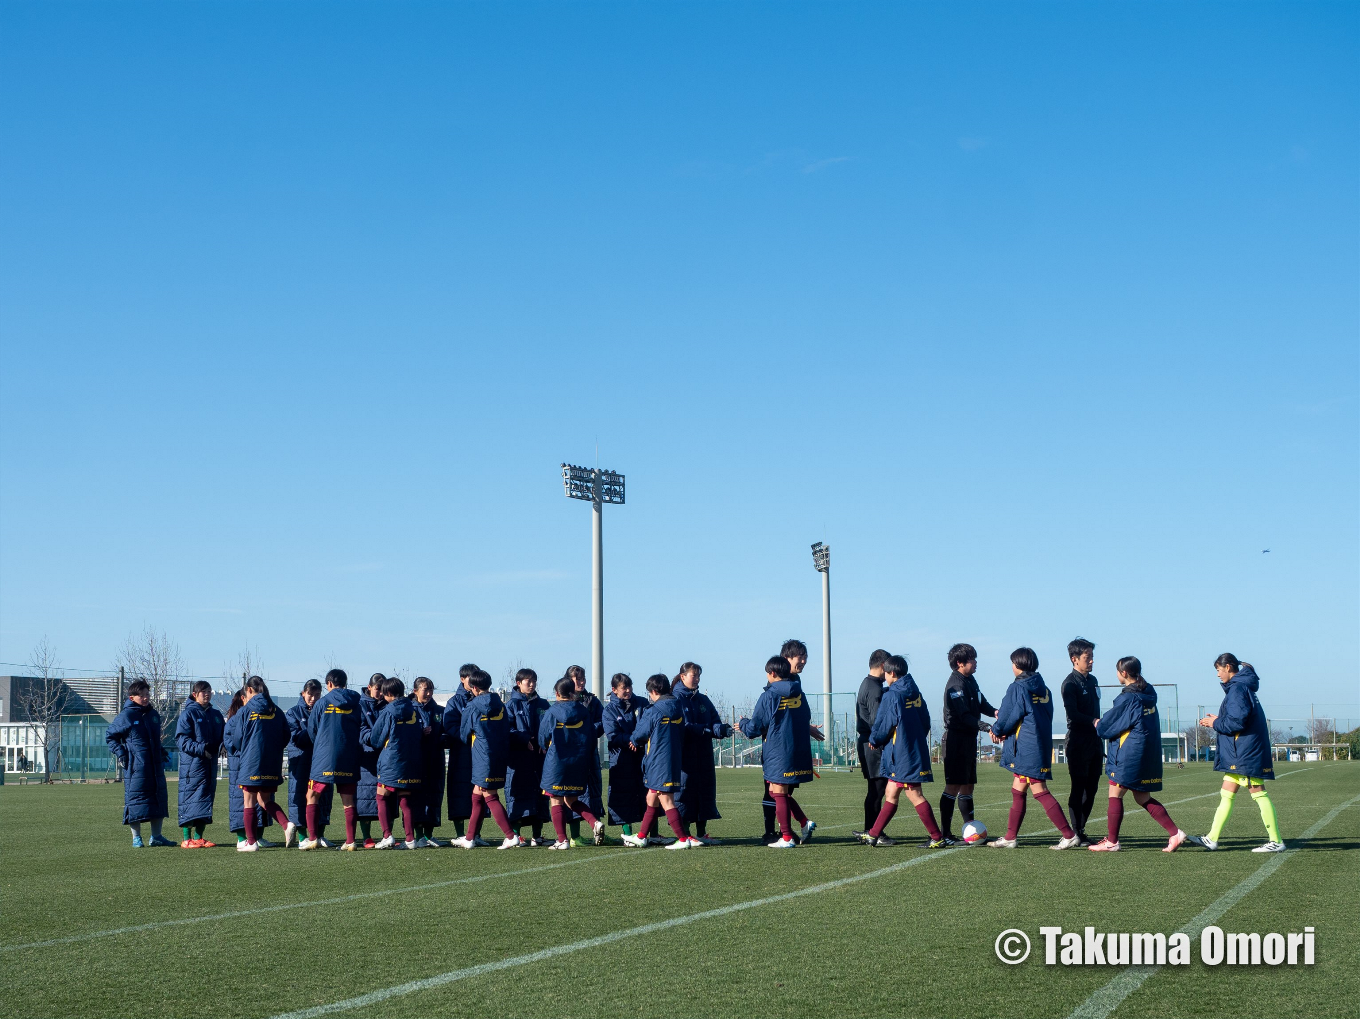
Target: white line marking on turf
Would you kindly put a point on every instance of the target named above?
(338, 900)
(1112, 995)
(428, 983)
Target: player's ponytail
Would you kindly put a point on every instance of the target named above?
(1229, 661)
(1133, 669)
(693, 667)
(257, 685)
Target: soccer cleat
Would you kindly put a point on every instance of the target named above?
(480, 843)
(636, 841)
(205, 844)
(881, 842)
(783, 843)
(1083, 841)
(321, 843)
(388, 842)
(1104, 846)
(161, 840)
(1003, 843)
(247, 847)
(513, 842)
(433, 843)
(1270, 847)
(408, 844)
(564, 844)
(137, 842)
(577, 842)
(597, 833)
(1071, 843)
(369, 843)
(350, 847)
(1173, 843)
(188, 844)
(537, 842)
(805, 832)
(708, 840)
(266, 844)
(1203, 841)
(679, 844)
(657, 840)
(463, 842)
(307, 844)
(943, 842)
(289, 835)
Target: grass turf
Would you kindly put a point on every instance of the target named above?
(916, 942)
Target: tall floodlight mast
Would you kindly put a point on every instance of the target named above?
(821, 558)
(597, 487)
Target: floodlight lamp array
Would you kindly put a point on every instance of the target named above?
(592, 484)
(821, 557)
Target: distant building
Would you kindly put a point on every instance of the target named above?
(89, 695)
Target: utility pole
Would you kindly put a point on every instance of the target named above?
(596, 486)
(821, 559)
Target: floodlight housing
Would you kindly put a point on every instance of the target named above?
(821, 557)
(592, 484)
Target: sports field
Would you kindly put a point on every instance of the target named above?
(95, 928)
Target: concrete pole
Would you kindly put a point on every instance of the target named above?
(826, 655)
(597, 593)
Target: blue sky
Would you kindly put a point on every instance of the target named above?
(1044, 316)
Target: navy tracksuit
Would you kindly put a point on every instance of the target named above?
(524, 802)
(593, 798)
(366, 793)
(1243, 737)
(902, 730)
(236, 800)
(1134, 734)
(428, 803)
(333, 725)
(782, 717)
(199, 739)
(459, 784)
(134, 739)
(568, 738)
(627, 793)
(1025, 720)
(698, 798)
(486, 730)
(661, 732)
(263, 735)
(299, 754)
(395, 737)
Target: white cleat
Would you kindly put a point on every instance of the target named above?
(598, 833)
(480, 843)
(805, 832)
(420, 843)
(1270, 847)
(247, 847)
(709, 840)
(657, 840)
(1174, 843)
(408, 844)
(679, 844)
(289, 835)
(307, 844)
(321, 843)
(783, 843)
(266, 844)
(565, 844)
(1203, 841)
(1003, 843)
(1071, 843)
(695, 843)
(463, 842)
(513, 842)
(387, 843)
(636, 841)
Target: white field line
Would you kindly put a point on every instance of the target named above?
(1105, 1000)
(428, 983)
(337, 900)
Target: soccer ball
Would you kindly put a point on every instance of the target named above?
(974, 832)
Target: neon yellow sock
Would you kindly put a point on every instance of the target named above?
(1225, 805)
(1267, 814)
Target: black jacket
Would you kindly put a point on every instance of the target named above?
(964, 704)
(1081, 698)
(866, 710)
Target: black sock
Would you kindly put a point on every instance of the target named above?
(946, 813)
(966, 806)
(537, 829)
(701, 827)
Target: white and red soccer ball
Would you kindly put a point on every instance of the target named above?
(974, 832)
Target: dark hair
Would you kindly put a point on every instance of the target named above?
(793, 647)
(693, 667)
(565, 688)
(138, 687)
(257, 685)
(237, 699)
(313, 687)
(377, 679)
(524, 674)
(778, 667)
(201, 686)
(961, 654)
(659, 684)
(337, 679)
(574, 672)
(896, 664)
(1225, 658)
(878, 658)
(393, 687)
(1132, 668)
(464, 671)
(480, 680)
(423, 681)
(621, 679)
(1024, 659)
(1078, 647)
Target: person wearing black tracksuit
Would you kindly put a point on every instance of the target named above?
(1084, 750)
(866, 711)
(964, 706)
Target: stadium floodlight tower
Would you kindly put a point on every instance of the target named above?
(821, 558)
(597, 487)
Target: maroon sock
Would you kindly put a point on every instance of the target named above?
(311, 820)
(586, 815)
(648, 819)
(384, 816)
(796, 810)
(1054, 812)
(1114, 817)
(278, 813)
(1160, 815)
(493, 804)
(474, 825)
(407, 823)
(351, 823)
(1017, 813)
(559, 823)
(884, 816)
(781, 814)
(249, 818)
(927, 817)
(677, 826)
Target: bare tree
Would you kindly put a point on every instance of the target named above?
(248, 663)
(41, 701)
(155, 658)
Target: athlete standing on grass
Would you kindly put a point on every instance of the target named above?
(460, 755)
(1083, 750)
(1243, 752)
(866, 711)
(627, 793)
(486, 730)
(395, 737)
(366, 793)
(299, 754)
(429, 801)
(964, 707)
(568, 739)
(593, 797)
(236, 797)
(333, 725)
(524, 800)
(902, 732)
(698, 797)
(660, 734)
(262, 736)
(1134, 760)
(134, 739)
(1025, 723)
(782, 719)
(199, 738)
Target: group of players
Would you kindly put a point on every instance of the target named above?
(386, 753)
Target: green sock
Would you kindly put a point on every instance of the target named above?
(628, 829)
(1225, 805)
(1267, 814)
(576, 829)
(239, 837)
(199, 829)
(187, 833)
(367, 828)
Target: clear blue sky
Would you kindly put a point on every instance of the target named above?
(1044, 316)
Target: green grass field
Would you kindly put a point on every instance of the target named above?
(914, 941)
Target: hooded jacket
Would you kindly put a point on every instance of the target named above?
(660, 733)
(459, 783)
(1025, 719)
(902, 730)
(486, 728)
(1243, 736)
(524, 800)
(567, 737)
(333, 725)
(198, 735)
(1133, 731)
(429, 801)
(627, 793)
(698, 799)
(782, 717)
(396, 736)
(262, 738)
(134, 739)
